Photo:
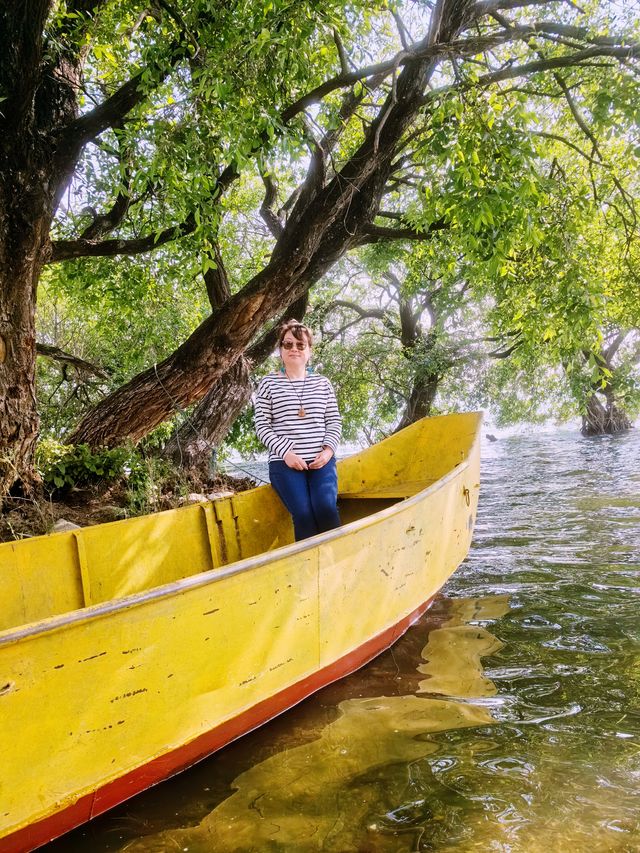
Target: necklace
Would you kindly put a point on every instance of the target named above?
(301, 411)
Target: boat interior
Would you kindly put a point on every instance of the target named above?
(50, 575)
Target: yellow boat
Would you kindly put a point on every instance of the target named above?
(130, 650)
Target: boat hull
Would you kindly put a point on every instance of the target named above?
(167, 765)
(128, 692)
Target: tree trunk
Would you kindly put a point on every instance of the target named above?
(18, 413)
(326, 221)
(602, 419)
(423, 392)
(414, 341)
(26, 209)
(191, 446)
(40, 98)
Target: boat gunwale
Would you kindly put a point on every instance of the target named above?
(95, 611)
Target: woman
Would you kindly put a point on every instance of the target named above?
(297, 418)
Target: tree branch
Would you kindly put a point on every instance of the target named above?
(363, 313)
(545, 135)
(113, 110)
(609, 353)
(267, 211)
(375, 233)
(512, 71)
(498, 353)
(104, 223)
(403, 31)
(134, 91)
(64, 250)
(488, 7)
(79, 364)
(342, 53)
(217, 281)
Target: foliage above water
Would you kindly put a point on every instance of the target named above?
(524, 192)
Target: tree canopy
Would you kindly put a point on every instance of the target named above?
(141, 142)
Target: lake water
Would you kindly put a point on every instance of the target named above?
(507, 719)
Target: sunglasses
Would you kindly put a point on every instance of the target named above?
(290, 345)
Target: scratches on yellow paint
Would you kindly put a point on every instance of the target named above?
(92, 657)
(129, 694)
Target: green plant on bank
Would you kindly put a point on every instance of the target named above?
(145, 477)
(63, 466)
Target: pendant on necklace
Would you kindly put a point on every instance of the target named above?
(301, 413)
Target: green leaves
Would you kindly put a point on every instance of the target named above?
(63, 466)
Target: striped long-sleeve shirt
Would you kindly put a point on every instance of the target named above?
(278, 424)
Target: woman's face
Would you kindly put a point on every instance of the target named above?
(294, 352)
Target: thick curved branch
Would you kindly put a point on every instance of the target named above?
(112, 111)
(136, 90)
(64, 250)
(363, 313)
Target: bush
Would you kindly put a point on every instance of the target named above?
(62, 466)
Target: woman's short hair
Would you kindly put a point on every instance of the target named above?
(297, 329)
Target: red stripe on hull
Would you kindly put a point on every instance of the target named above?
(161, 768)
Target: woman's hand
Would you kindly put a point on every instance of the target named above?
(294, 461)
(322, 458)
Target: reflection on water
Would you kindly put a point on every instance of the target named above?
(352, 782)
(324, 795)
(453, 662)
(505, 720)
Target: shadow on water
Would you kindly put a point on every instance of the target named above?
(507, 719)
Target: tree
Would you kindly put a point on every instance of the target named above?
(94, 72)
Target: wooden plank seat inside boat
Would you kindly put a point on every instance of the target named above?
(398, 490)
(356, 505)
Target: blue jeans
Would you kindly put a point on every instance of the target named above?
(310, 496)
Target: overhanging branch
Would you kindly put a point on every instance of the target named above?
(66, 358)
(64, 250)
(377, 233)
